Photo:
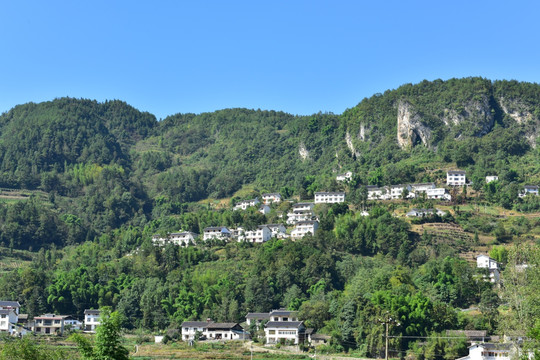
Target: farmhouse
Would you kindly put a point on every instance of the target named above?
(529, 190)
(438, 193)
(491, 178)
(243, 205)
(270, 198)
(344, 177)
(329, 197)
(455, 178)
(91, 319)
(216, 232)
(304, 227)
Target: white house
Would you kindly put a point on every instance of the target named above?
(438, 193)
(224, 331)
(283, 315)
(276, 229)
(270, 198)
(10, 305)
(529, 190)
(243, 205)
(425, 212)
(49, 324)
(71, 323)
(264, 209)
(216, 232)
(491, 178)
(259, 235)
(304, 227)
(8, 321)
(396, 191)
(190, 328)
(455, 178)
(300, 212)
(281, 331)
(91, 319)
(489, 351)
(183, 238)
(484, 261)
(344, 177)
(422, 187)
(378, 193)
(329, 197)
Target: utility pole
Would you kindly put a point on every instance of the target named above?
(387, 321)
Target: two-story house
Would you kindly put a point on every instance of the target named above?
(304, 227)
(49, 324)
(243, 205)
(261, 234)
(284, 326)
(455, 178)
(485, 262)
(344, 177)
(192, 328)
(378, 193)
(329, 197)
(396, 191)
(276, 229)
(270, 198)
(216, 232)
(91, 319)
(438, 193)
(300, 212)
(422, 187)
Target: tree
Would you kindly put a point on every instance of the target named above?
(108, 340)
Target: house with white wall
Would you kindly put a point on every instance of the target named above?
(425, 212)
(300, 212)
(491, 178)
(284, 331)
(396, 191)
(529, 190)
(216, 232)
(422, 187)
(261, 234)
(10, 305)
(455, 178)
(329, 197)
(190, 328)
(378, 193)
(225, 331)
(303, 228)
(183, 238)
(344, 177)
(270, 198)
(438, 193)
(8, 321)
(492, 351)
(91, 319)
(49, 324)
(256, 318)
(485, 262)
(264, 209)
(276, 229)
(243, 205)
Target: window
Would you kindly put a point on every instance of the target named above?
(272, 332)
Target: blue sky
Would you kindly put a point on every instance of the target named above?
(301, 57)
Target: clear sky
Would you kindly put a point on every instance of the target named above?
(301, 57)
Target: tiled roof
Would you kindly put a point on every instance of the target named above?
(10, 304)
(195, 323)
(257, 316)
(284, 324)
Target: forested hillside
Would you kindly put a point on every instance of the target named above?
(85, 185)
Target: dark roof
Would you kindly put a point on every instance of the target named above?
(283, 312)
(10, 303)
(272, 225)
(261, 316)
(468, 333)
(183, 233)
(222, 326)
(456, 172)
(91, 312)
(494, 346)
(271, 194)
(195, 323)
(330, 193)
(309, 331)
(306, 222)
(302, 204)
(285, 324)
(4, 312)
(531, 186)
(423, 184)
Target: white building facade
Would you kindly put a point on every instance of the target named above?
(303, 228)
(270, 198)
(217, 232)
(455, 178)
(329, 197)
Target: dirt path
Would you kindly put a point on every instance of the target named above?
(256, 348)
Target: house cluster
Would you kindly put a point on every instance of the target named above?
(499, 351)
(408, 191)
(280, 326)
(14, 323)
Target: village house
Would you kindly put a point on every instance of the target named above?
(264, 209)
(304, 227)
(8, 320)
(344, 177)
(91, 319)
(300, 212)
(438, 193)
(329, 197)
(243, 205)
(270, 198)
(224, 331)
(471, 335)
(276, 229)
(49, 324)
(491, 178)
(378, 193)
(212, 330)
(485, 262)
(184, 238)
(487, 351)
(422, 187)
(191, 328)
(283, 315)
(315, 339)
(259, 235)
(10, 305)
(455, 178)
(396, 191)
(529, 190)
(216, 232)
(256, 318)
(72, 323)
(425, 212)
(284, 331)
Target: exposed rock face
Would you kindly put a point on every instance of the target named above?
(477, 112)
(304, 153)
(516, 110)
(410, 128)
(362, 133)
(350, 145)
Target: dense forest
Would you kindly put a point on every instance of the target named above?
(94, 181)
